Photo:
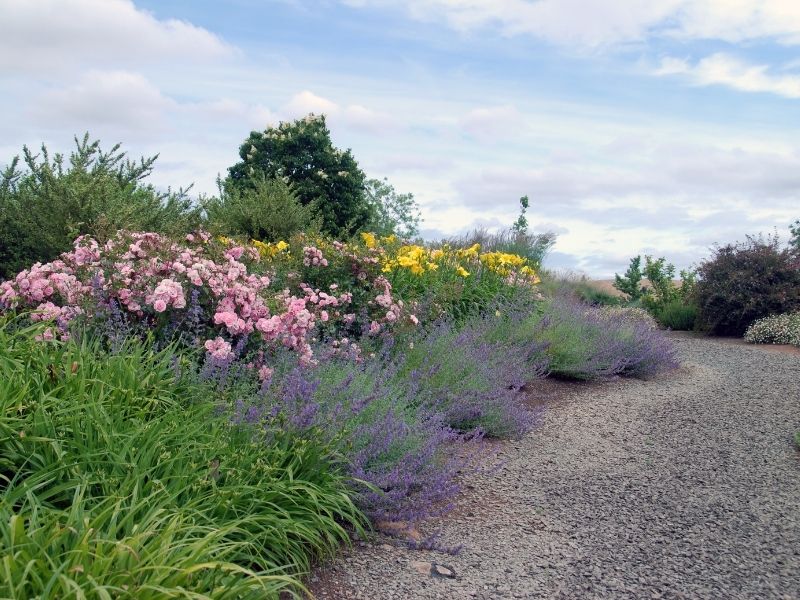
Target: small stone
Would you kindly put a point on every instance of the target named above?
(423, 568)
(442, 571)
(386, 547)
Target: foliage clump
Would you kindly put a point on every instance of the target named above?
(391, 213)
(670, 304)
(744, 282)
(52, 200)
(268, 211)
(122, 476)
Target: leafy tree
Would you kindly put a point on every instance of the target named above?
(301, 153)
(794, 241)
(269, 211)
(392, 213)
(630, 283)
(50, 201)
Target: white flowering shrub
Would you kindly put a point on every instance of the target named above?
(777, 329)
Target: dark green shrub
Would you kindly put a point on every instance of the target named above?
(677, 315)
(302, 154)
(744, 282)
(269, 211)
(44, 207)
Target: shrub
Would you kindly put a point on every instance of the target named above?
(121, 479)
(396, 452)
(777, 329)
(630, 283)
(472, 374)
(588, 343)
(302, 154)
(744, 282)
(44, 208)
(202, 293)
(676, 315)
(454, 282)
(269, 211)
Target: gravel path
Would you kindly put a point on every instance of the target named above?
(683, 487)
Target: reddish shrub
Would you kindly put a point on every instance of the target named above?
(744, 282)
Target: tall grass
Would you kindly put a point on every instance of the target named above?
(533, 246)
(120, 479)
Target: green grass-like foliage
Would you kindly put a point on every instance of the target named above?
(120, 480)
(677, 315)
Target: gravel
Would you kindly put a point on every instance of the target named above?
(686, 486)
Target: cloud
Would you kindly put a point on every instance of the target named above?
(236, 112)
(393, 163)
(353, 116)
(493, 123)
(726, 70)
(682, 174)
(596, 23)
(307, 102)
(120, 99)
(50, 34)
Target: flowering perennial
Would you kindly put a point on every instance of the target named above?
(158, 283)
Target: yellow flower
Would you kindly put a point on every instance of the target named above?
(432, 266)
(462, 271)
(281, 246)
(389, 239)
(530, 274)
(369, 240)
(470, 252)
(501, 262)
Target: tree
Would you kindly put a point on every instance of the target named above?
(631, 283)
(520, 226)
(302, 154)
(794, 241)
(52, 200)
(392, 213)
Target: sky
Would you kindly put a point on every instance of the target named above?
(656, 127)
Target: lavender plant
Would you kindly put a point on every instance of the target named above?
(587, 343)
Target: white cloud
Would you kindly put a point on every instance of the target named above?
(254, 116)
(493, 123)
(723, 69)
(365, 119)
(593, 23)
(308, 102)
(353, 116)
(105, 98)
(49, 34)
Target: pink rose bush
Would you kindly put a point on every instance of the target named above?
(231, 299)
